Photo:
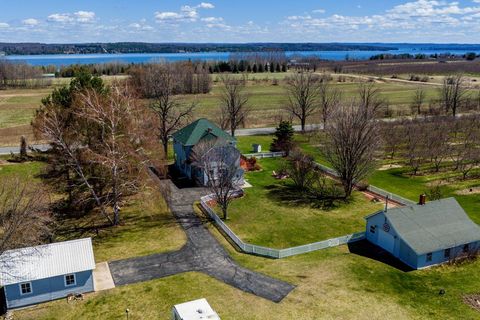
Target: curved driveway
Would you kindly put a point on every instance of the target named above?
(202, 253)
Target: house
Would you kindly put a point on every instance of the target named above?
(426, 234)
(191, 137)
(194, 310)
(47, 272)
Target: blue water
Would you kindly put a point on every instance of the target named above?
(68, 59)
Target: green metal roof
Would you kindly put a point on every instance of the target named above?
(434, 226)
(195, 131)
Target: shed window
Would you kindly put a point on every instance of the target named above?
(447, 253)
(429, 257)
(372, 229)
(70, 280)
(26, 288)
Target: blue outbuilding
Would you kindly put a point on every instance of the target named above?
(424, 235)
(47, 272)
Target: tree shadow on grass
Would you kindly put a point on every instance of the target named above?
(366, 249)
(289, 195)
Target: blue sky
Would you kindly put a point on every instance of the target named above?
(56, 21)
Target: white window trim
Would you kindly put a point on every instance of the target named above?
(74, 280)
(21, 291)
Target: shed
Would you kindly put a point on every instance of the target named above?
(424, 235)
(194, 310)
(47, 272)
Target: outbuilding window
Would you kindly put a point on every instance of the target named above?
(429, 257)
(70, 280)
(25, 288)
(447, 253)
(372, 229)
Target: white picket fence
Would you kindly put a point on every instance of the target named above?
(261, 155)
(270, 252)
(372, 189)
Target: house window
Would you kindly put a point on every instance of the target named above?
(447, 253)
(429, 257)
(466, 248)
(372, 229)
(25, 288)
(70, 280)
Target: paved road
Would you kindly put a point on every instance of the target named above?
(239, 132)
(202, 253)
(9, 150)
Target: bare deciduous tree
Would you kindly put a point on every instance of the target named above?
(118, 149)
(453, 93)
(415, 144)
(303, 89)
(234, 107)
(25, 218)
(369, 97)
(301, 169)
(352, 139)
(465, 152)
(160, 83)
(219, 162)
(418, 100)
(329, 98)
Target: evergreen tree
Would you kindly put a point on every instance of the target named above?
(272, 66)
(278, 69)
(283, 140)
(260, 68)
(284, 67)
(254, 69)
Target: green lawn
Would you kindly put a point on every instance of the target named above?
(270, 214)
(244, 143)
(401, 182)
(330, 284)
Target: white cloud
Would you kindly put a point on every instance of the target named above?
(30, 22)
(213, 19)
(186, 13)
(207, 5)
(437, 16)
(140, 26)
(322, 10)
(84, 16)
(4, 25)
(60, 17)
(79, 16)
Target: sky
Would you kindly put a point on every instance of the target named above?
(60, 21)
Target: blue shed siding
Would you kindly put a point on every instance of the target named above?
(439, 256)
(403, 251)
(48, 289)
(407, 255)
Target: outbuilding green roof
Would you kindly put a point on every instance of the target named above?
(434, 226)
(195, 131)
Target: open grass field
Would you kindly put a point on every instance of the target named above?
(330, 284)
(267, 102)
(273, 214)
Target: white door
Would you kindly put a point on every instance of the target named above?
(386, 241)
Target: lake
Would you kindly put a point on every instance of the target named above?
(68, 59)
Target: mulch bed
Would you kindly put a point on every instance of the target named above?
(473, 300)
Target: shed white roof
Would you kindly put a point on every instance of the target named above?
(46, 261)
(196, 310)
